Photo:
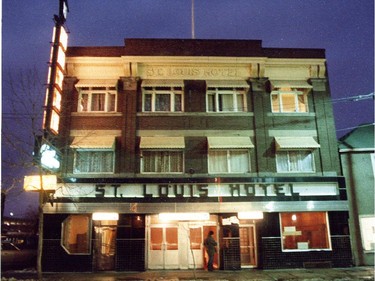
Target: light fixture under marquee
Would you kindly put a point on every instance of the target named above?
(184, 216)
(99, 216)
(253, 215)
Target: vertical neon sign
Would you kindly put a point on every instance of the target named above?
(56, 72)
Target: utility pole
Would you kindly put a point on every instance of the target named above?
(192, 20)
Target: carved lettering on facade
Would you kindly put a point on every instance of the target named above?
(192, 72)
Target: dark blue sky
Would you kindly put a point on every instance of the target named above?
(345, 28)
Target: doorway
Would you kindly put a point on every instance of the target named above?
(178, 244)
(104, 250)
(248, 246)
(164, 246)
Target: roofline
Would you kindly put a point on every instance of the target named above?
(194, 48)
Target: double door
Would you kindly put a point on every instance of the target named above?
(177, 246)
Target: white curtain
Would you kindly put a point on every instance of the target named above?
(94, 161)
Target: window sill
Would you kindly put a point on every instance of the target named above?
(97, 114)
(291, 114)
(195, 113)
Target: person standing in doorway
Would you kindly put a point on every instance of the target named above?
(210, 245)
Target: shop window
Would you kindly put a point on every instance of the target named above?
(75, 237)
(289, 101)
(295, 161)
(226, 99)
(93, 161)
(229, 161)
(305, 231)
(97, 101)
(166, 161)
(162, 99)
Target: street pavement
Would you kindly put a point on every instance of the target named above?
(317, 274)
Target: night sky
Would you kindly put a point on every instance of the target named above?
(345, 28)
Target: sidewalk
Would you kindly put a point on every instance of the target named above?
(338, 274)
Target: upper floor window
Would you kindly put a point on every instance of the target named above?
(289, 100)
(93, 161)
(162, 96)
(229, 154)
(290, 96)
(295, 161)
(162, 161)
(226, 96)
(97, 99)
(228, 161)
(93, 155)
(295, 154)
(162, 154)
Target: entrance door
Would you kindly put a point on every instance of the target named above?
(163, 252)
(248, 246)
(104, 247)
(206, 229)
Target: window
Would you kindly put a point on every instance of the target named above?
(97, 99)
(166, 161)
(305, 231)
(289, 100)
(295, 161)
(93, 161)
(162, 99)
(226, 99)
(75, 236)
(228, 161)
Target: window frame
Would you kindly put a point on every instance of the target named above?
(234, 92)
(289, 91)
(90, 91)
(300, 166)
(64, 232)
(228, 156)
(78, 150)
(181, 154)
(165, 90)
(301, 231)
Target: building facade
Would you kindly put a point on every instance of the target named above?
(357, 155)
(163, 140)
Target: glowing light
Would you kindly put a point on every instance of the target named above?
(270, 206)
(183, 216)
(105, 216)
(33, 183)
(310, 205)
(294, 217)
(49, 157)
(255, 215)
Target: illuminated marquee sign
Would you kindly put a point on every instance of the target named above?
(55, 80)
(196, 190)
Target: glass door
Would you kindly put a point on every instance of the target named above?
(105, 247)
(163, 252)
(248, 246)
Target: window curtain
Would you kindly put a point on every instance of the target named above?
(226, 102)
(239, 162)
(97, 102)
(218, 161)
(162, 161)
(163, 102)
(94, 161)
(294, 161)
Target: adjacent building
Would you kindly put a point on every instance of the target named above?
(357, 154)
(163, 140)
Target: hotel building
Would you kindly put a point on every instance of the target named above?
(163, 140)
